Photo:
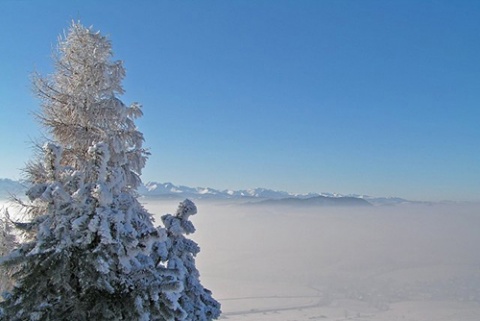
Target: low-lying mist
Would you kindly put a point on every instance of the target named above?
(375, 254)
(266, 259)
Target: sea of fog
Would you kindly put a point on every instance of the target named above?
(409, 262)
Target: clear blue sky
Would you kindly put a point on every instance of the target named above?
(369, 97)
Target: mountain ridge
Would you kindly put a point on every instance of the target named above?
(169, 190)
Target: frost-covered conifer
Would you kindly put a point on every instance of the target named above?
(93, 252)
(80, 107)
(7, 243)
(196, 300)
(95, 255)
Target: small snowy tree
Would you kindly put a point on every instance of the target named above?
(196, 300)
(7, 244)
(93, 252)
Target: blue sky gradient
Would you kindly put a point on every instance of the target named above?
(369, 97)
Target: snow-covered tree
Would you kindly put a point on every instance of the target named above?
(7, 243)
(93, 251)
(80, 107)
(95, 256)
(196, 300)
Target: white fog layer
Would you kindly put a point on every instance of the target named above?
(378, 263)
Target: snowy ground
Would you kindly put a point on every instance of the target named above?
(413, 263)
(409, 263)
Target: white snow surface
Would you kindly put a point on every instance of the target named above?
(411, 262)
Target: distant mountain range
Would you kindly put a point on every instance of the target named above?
(314, 201)
(257, 195)
(263, 195)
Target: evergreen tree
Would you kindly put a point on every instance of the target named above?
(80, 107)
(196, 300)
(93, 253)
(7, 243)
